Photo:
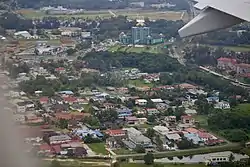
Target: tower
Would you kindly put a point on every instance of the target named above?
(140, 32)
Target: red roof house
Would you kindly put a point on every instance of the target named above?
(116, 132)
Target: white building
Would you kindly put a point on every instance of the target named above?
(222, 105)
(141, 102)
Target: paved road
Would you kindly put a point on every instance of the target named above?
(233, 81)
(177, 56)
(227, 147)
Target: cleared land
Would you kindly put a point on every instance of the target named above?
(132, 49)
(132, 14)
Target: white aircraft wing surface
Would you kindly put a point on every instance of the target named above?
(215, 15)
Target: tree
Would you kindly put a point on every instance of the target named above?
(149, 159)
(63, 123)
(116, 164)
(151, 118)
(159, 143)
(55, 163)
(71, 51)
(231, 158)
(185, 144)
(140, 149)
(150, 133)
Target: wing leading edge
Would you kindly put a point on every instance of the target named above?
(215, 16)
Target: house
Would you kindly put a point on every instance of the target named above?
(23, 34)
(141, 102)
(66, 92)
(70, 99)
(190, 111)
(132, 120)
(242, 68)
(142, 121)
(60, 70)
(44, 100)
(137, 138)
(222, 105)
(186, 86)
(213, 99)
(173, 137)
(205, 136)
(108, 106)
(59, 139)
(111, 142)
(59, 108)
(226, 63)
(124, 112)
(77, 107)
(161, 130)
(116, 132)
(84, 131)
(193, 137)
(24, 106)
(187, 119)
(162, 106)
(157, 100)
(70, 31)
(56, 100)
(170, 119)
(152, 111)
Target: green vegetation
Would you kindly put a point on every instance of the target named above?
(123, 151)
(132, 49)
(132, 14)
(202, 150)
(99, 148)
(235, 123)
(237, 48)
(139, 83)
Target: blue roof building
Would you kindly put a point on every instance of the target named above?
(193, 137)
(213, 99)
(124, 112)
(85, 131)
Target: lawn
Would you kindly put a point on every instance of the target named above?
(98, 148)
(238, 48)
(140, 83)
(122, 151)
(202, 119)
(132, 49)
(243, 48)
(131, 14)
(244, 107)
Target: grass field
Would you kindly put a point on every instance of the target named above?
(238, 48)
(244, 107)
(98, 148)
(243, 48)
(132, 49)
(139, 83)
(131, 14)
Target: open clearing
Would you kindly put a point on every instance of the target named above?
(130, 13)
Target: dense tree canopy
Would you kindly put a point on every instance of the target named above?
(234, 125)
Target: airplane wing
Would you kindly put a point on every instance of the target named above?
(216, 15)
